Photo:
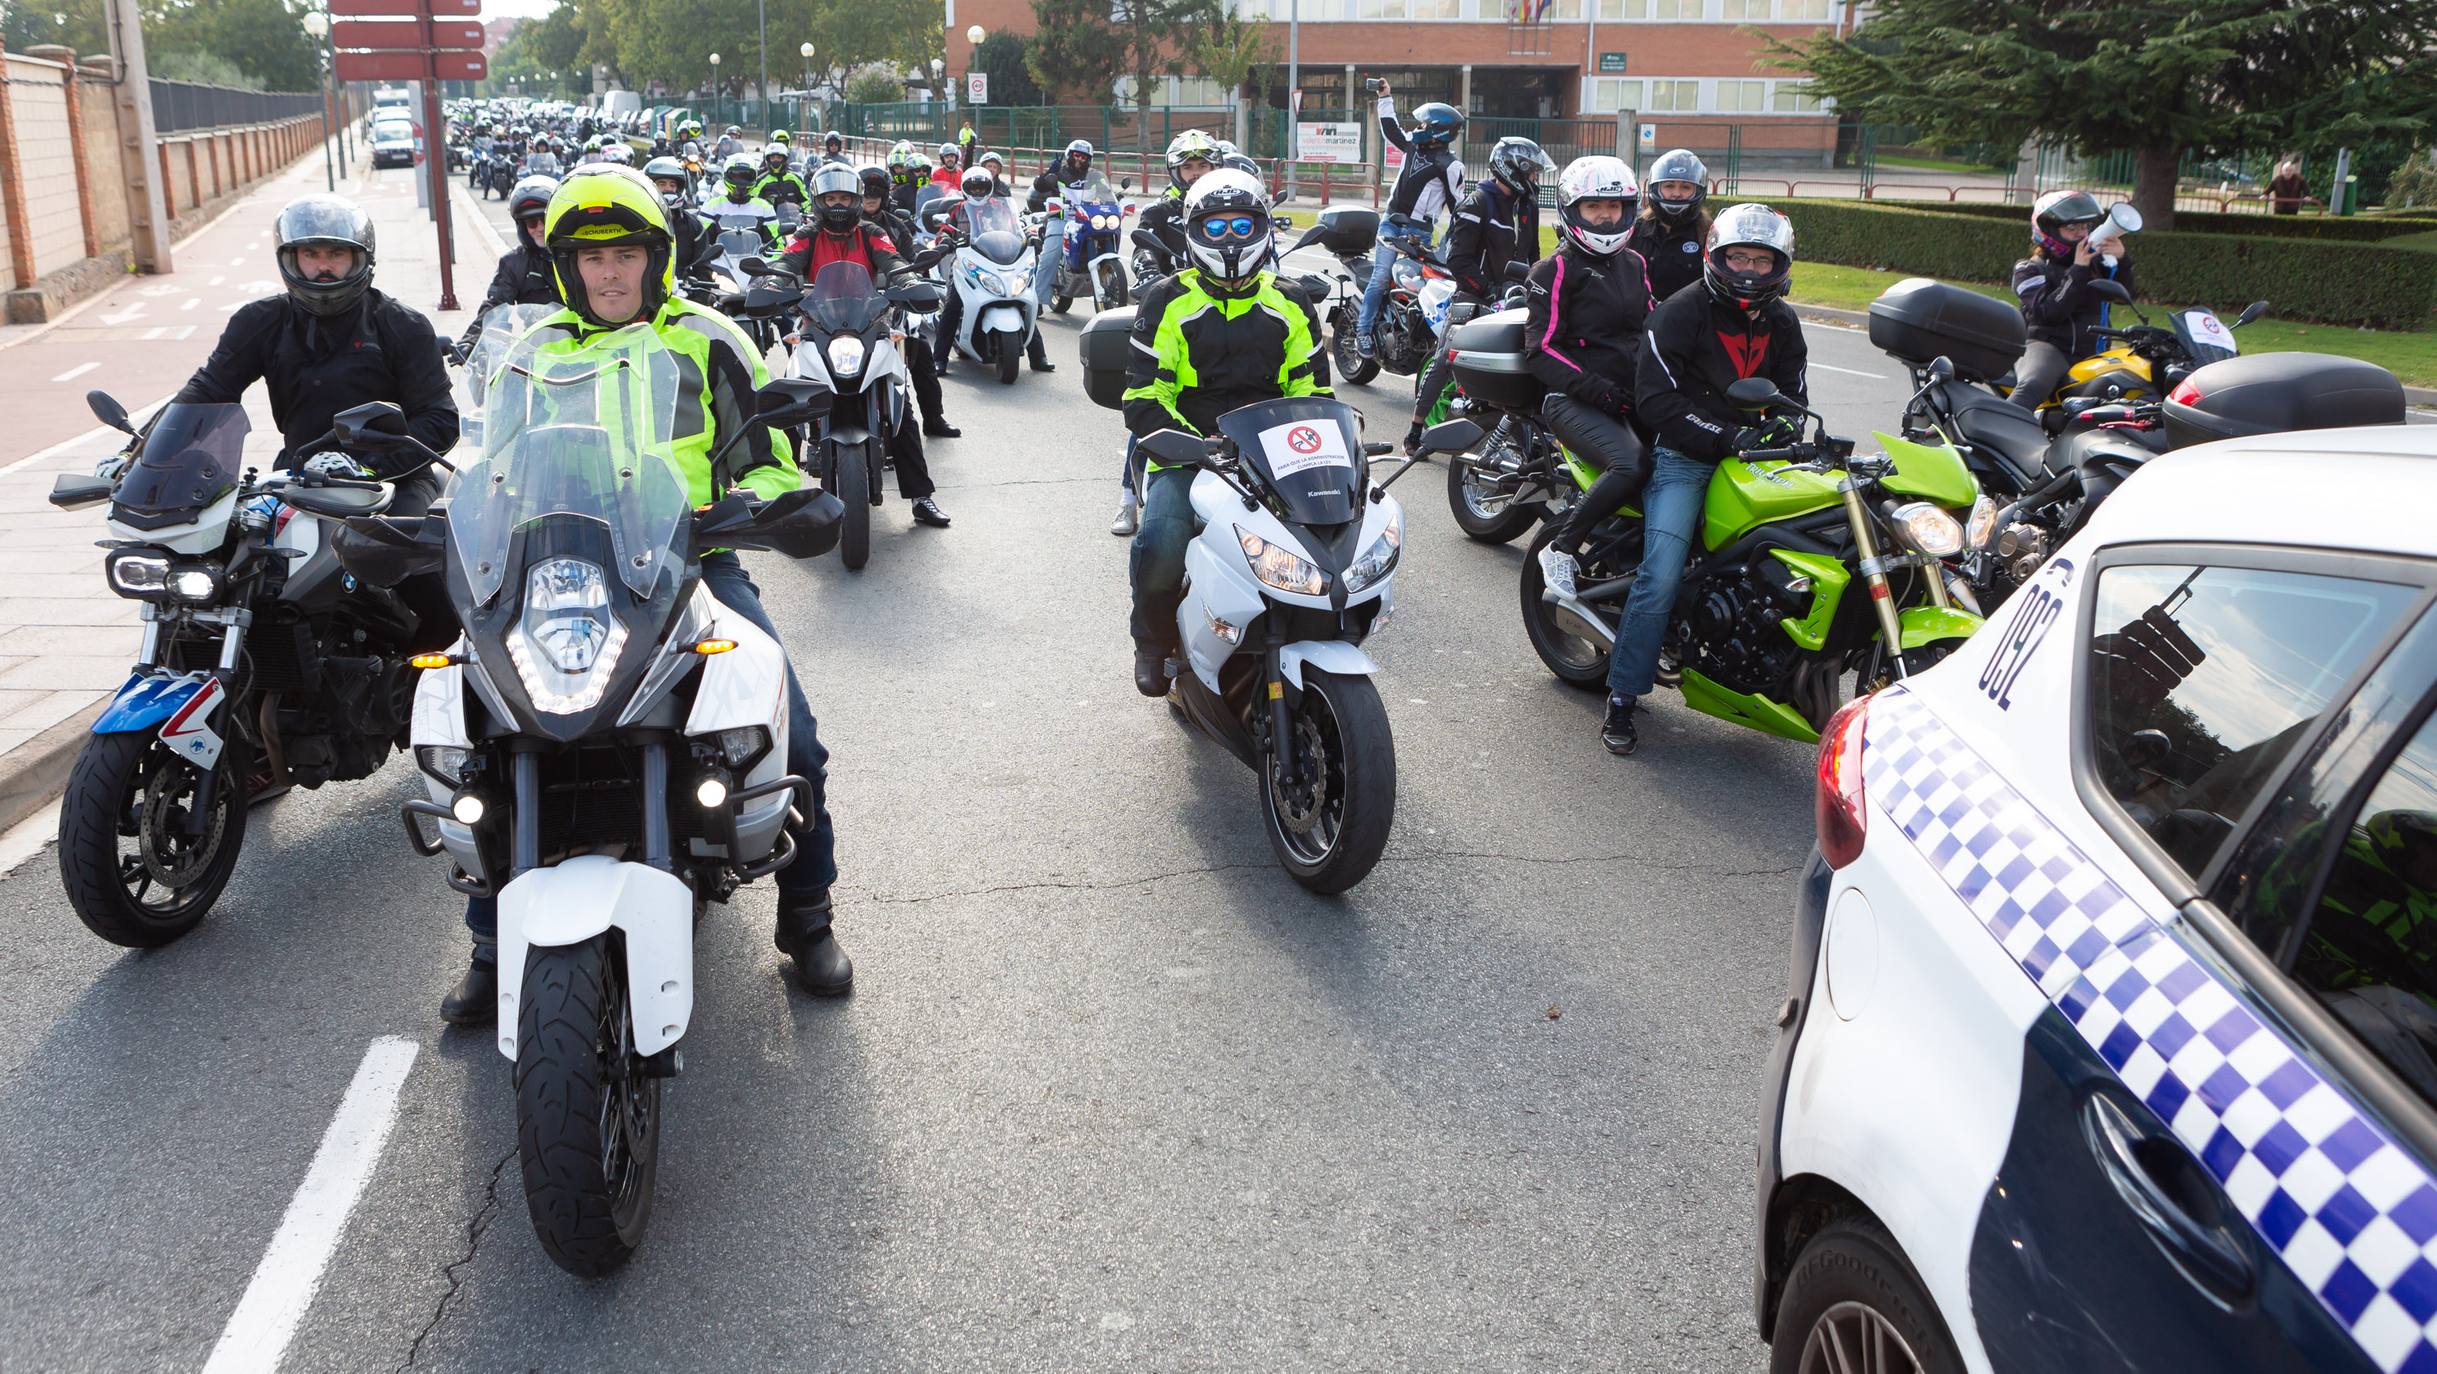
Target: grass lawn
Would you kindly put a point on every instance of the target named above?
(2410, 356)
(1936, 164)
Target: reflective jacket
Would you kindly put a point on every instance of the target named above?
(1198, 353)
(719, 370)
(777, 186)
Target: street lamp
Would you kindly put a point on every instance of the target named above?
(317, 24)
(939, 79)
(973, 36)
(714, 88)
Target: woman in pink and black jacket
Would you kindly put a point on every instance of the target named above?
(1588, 307)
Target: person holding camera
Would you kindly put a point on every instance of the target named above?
(1430, 181)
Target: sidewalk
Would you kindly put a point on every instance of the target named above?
(66, 640)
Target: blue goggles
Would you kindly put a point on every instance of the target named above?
(1228, 228)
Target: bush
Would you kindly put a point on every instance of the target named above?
(2414, 185)
(874, 86)
(2330, 281)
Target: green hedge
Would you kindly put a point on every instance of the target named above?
(2328, 281)
(2349, 228)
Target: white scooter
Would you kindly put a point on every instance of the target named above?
(991, 275)
(604, 748)
(1288, 576)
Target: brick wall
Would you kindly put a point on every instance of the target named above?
(105, 171)
(46, 161)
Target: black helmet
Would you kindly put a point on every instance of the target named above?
(662, 169)
(1519, 163)
(875, 181)
(1437, 124)
(1749, 226)
(1677, 164)
(830, 180)
(331, 220)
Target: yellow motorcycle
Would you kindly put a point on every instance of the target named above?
(2145, 361)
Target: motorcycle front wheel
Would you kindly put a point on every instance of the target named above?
(587, 1115)
(1330, 827)
(1010, 357)
(134, 873)
(1578, 661)
(850, 480)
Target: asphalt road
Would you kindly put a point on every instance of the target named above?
(1112, 1092)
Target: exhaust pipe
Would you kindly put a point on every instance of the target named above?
(1577, 619)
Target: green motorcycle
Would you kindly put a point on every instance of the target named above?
(1812, 561)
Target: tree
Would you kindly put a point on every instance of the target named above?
(1087, 44)
(1235, 50)
(73, 24)
(2164, 78)
(874, 86)
(1001, 58)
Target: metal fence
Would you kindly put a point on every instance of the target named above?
(1116, 128)
(178, 106)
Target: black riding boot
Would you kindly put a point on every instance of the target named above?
(475, 999)
(804, 936)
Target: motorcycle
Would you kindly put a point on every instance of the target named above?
(1292, 567)
(258, 652)
(1767, 625)
(743, 235)
(991, 274)
(849, 344)
(1411, 320)
(1083, 245)
(603, 748)
(2146, 360)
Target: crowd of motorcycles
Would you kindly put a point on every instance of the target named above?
(602, 748)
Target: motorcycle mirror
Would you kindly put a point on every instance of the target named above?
(1941, 369)
(755, 266)
(1176, 448)
(372, 425)
(106, 409)
(1451, 436)
(1753, 393)
(2107, 288)
(2249, 313)
(1308, 236)
(787, 400)
(1126, 185)
(72, 490)
(1141, 238)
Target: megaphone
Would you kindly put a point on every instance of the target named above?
(2121, 219)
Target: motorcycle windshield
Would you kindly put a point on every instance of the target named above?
(1307, 449)
(994, 232)
(1093, 196)
(2205, 337)
(501, 328)
(843, 299)
(579, 431)
(192, 455)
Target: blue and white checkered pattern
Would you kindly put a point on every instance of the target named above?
(2353, 1215)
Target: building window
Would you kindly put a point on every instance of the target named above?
(1674, 95)
(1676, 9)
(1794, 97)
(1437, 9)
(1742, 97)
(1379, 9)
(1789, 11)
(1746, 9)
(1619, 11)
(1611, 94)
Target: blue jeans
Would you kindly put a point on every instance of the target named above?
(1157, 565)
(1383, 275)
(1671, 514)
(816, 858)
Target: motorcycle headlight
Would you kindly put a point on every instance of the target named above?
(196, 584)
(1281, 567)
(1378, 560)
(144, 576)
(1927, 528)
(1982, 527)
(1100, 221)
(567, 642)
(846, 355)
(445, 761)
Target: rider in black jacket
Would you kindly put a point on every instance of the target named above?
(1587, 312)
(1430, 181)
(1496, 222)
(1074, 167)
(1673, 228)
(918, 357)
(524, 276)
(2058, 308)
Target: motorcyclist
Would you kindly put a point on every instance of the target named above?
(1587, 311)
(609, 242)
(919, 360)
(950, 173)
(737, 180)
(996, 166)
(1220, 334)
(1672, 228)
(833, 147)
(912, 180)
(731, 142)
(524, 276)
(1496, 222)
(779, 183)
(957, 225)
(696, 246)
(1192, 155)
(2053, 284)
(1430, 181)
(1700, 343)
(838, 233)
(1074, 167)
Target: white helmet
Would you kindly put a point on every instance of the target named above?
(1597, 178)
(1238, 252)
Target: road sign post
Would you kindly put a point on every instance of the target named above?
(422, 41)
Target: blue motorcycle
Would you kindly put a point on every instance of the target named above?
(1090, 223)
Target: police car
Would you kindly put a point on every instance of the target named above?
(2111, 1036)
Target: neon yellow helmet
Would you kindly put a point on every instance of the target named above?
(779, 136)
(604, 205)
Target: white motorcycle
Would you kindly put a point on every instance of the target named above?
(848, 343)
(604, 748)
(991, 275)
(1288, 576)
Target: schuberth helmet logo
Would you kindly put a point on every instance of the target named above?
(1747, 351)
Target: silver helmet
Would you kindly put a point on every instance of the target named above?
(324, 219)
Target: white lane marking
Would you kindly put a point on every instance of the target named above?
(28, 838)
(185, 331)
(190, 302)
(1874, 376)
(75, 372)
(155, 332)
(135, 417)
(215, 281)
(134, 308)
(283, 1285)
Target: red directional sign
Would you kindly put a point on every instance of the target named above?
(403, 9)
(385, 35)
(408, 66)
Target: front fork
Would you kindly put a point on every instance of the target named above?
(1281, 723)
(1874, 572)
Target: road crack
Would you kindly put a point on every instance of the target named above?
(1418, 856)
(474, 1231)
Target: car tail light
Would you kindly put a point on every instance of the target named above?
(2185, 394)
(1838, 804)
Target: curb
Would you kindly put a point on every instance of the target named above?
(2418, 396)
(36, 772)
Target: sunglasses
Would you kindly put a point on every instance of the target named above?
(1238, 227)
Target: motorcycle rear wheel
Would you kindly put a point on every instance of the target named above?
(851, 483)
(587, 1117)
(1352, 368)
(128, 789)
(1329, 835)
(1467, 488)
(1060, 303)
(1576, 661)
